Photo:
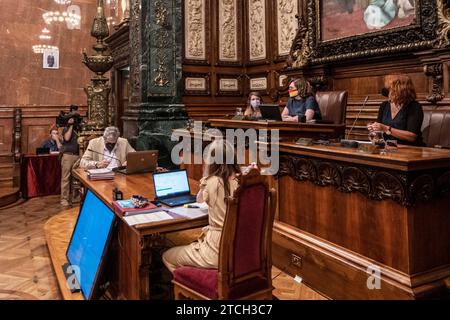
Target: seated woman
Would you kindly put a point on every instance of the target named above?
(301, 103)
(254, 101)
(400, 118)
(219, 182)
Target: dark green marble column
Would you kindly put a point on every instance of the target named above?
(160, 108)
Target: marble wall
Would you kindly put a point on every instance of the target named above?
(23, 80)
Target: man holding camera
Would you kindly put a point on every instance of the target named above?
(70, 154)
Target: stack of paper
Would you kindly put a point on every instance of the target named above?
(147, 218)
(191, 213)
(100, 174)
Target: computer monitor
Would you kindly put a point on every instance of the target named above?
(171, 183)
(89, 242)
(270, 112)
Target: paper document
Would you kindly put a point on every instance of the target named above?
(191, 213)
(147, 218)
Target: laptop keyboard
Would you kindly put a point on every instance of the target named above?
(180, 200)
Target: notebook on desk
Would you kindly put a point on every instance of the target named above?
(172, 188)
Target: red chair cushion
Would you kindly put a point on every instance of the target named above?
(203, 281)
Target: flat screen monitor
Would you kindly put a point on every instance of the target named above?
(89, 242)
(171, 183)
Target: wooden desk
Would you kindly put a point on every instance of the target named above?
(352, 213)
(132, 246)
(288, 130)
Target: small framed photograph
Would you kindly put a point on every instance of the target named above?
(50, 59)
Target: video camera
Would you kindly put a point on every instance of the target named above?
(63, 117)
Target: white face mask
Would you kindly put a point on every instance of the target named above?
(255, 103)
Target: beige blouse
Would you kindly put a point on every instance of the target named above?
(213, 195)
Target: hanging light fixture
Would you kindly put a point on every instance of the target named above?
(39, 48)
(56, 16)
(63, 1)
(45, 34)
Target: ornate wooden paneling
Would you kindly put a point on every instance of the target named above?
(257, 32)
(286, 27)
(229, 32)
(197, 32)
(197, 84)
(229, 85)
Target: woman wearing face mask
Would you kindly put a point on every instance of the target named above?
(254, 101)
(400, 118)
(301, 103)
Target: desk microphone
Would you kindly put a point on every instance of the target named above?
(353, 143)
(111, 157)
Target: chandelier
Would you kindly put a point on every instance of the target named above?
(39, 48)
(63, 1)
(56, 16)
(45, 34)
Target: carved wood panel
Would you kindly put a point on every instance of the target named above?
(197, 31)
(256, 30)
(229, 32)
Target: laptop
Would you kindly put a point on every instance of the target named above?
(270, 112)
(172, 188)
(140, 162)
(42, 151)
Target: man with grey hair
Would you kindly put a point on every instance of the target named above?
(109, 151)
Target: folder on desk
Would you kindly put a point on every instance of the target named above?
(191, 213)
(126, 207)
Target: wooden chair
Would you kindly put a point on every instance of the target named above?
(245, 254)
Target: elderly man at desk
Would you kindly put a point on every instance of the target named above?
(109, 151)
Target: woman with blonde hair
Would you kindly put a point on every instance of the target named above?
(400, 118)
(218, 183)
(254, 101)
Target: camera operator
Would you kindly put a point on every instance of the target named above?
(70, 154)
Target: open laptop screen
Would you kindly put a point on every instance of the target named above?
(169, 183)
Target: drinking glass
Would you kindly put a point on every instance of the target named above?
(239, 112)
(391, 145)
(377, 138)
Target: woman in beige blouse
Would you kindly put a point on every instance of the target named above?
(219, 182)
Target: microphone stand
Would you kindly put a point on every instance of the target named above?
(352, 143)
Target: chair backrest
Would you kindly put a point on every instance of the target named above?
(436, 128)
(245, 258)
(333, 105)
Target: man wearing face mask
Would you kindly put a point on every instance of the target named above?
(109, 151)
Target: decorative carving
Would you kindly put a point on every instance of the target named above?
(228, 30)
(229, 85)
(404, 188)
(435, 71)
(387, 186)
(354, 179)
(161, 13)
(422, 188)
(257, 29)
(195, 29)
(287, 11)
(300, 53)
(443, 29)
(443, 184)
(319, 83)
(257, 84)
(196, 83)
(328, 174)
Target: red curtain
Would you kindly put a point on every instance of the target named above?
(40, 175)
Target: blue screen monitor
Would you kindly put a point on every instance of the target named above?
(89, 241)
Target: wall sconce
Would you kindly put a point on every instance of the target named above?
(63, 1)
(45, 34)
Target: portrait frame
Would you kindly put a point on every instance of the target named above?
(309, 48)
(50, 59)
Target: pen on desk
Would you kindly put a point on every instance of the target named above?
(191, 206)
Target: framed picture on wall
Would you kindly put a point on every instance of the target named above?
(383, 27)
(50, 59)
